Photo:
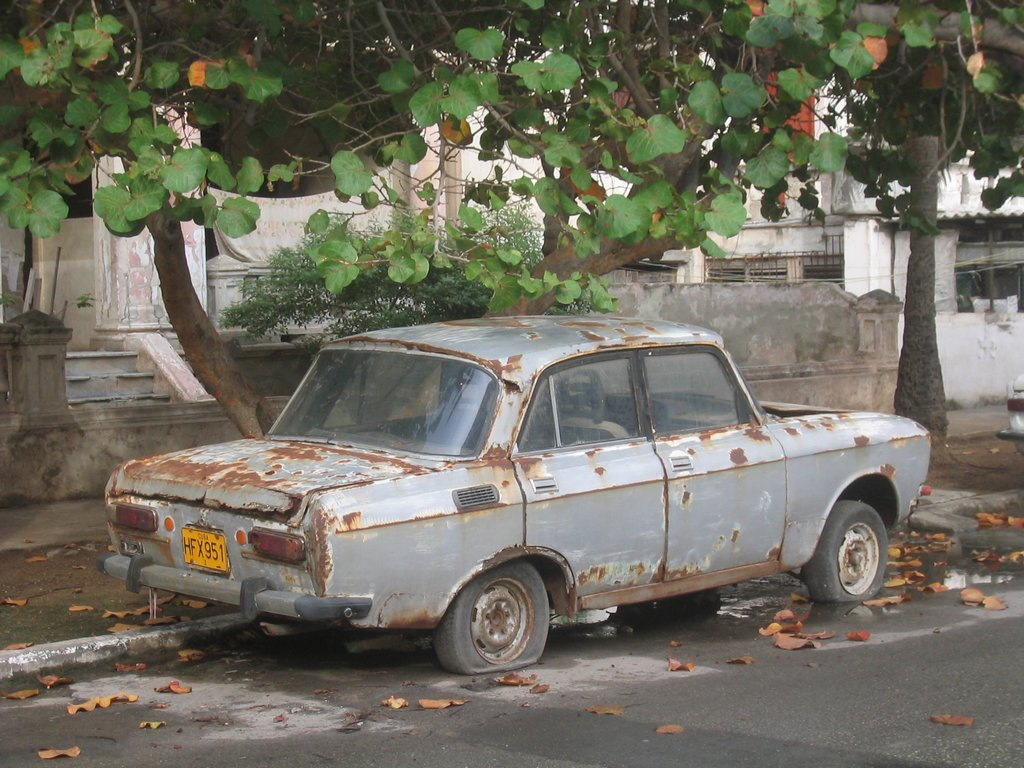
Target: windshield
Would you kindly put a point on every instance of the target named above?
(392, 400)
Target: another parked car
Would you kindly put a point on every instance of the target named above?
(471, 477)
(1015, 409)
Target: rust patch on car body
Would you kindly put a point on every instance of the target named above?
(738, 456)
(888, 470)
(353, 521)
(757, 434)
(861, 440)
(793, 431)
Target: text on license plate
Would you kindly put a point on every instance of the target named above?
(206, 549)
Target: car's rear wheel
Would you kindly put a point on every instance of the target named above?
(498, 622)
(849, 562)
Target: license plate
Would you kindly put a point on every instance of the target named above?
(207, 549)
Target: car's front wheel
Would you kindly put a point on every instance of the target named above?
(498, 622)
(849, 562)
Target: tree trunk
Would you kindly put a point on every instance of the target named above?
(206, 352)
(919, 391)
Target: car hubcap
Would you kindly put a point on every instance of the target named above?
(858, 558)
(502, 618)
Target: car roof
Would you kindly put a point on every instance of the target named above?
(516, 347)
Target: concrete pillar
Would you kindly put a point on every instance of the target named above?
(36, 384)
(867, 255)
(127, 288)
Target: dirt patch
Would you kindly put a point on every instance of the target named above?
(67, 597)
(982, 463)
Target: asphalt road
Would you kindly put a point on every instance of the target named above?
(316, 699)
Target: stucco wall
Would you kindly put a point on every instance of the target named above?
(73, 459)
(810, 342)
(980, 354)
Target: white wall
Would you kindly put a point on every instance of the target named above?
(980, 354)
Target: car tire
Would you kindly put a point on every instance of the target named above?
(849, 562)
(498, 622)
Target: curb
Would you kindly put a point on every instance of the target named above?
(91, 650)
(957, 514)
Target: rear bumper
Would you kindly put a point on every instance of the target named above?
(254, 597)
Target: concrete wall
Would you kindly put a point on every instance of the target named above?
(807, 342)
(74, 459)
(980, 353)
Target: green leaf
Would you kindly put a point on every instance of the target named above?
(850, 54)
(919, 34)
(238, 216)
(535, 5)
(568, 292)
(463, 97)
(871, 29)
(398, 77)
(351, 176)
(281, 172)
(798, 83)
(162, 74)
(218, 172)
(318, 223)
(741, 96)
(255, 84)
(706, 102)
(250, 176)
(425, 104)
(727, 214)
(557, 72)
(818, 9)
(712, 249)
(81, 112)
(38, 69)
(46, 210)
(185, 171)
(481, 44)
(559, 151)
(217, 76)
(829, 153)
(768, 30)
(660, 136)
(144, 198)
(336, 263)
(412, 148)
(11, 56)
(621, 217)
(471, 217)
(768, 168)
(91, 47)
(116, 119)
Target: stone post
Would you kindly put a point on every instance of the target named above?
(37, 391)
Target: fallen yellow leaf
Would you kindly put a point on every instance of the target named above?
(152, 724)
(50, 754)
(993, 604)
(606, 710)
(394, 702)
(80, 608)
(513, 678)
(28, 693)
(35, 559)
(675, 665)
(772, 629)
(18, 646)
(741, 660)
(174, 687)
(972, 596)
(440, 703)
(670, 728)
(17, 602)
(188, 654)
(540, 688)
(952, 720)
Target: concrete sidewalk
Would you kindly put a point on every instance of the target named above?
(60, 523)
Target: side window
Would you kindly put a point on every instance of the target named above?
(580, 404)
(691, 390)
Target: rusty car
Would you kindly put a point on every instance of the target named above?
(475, 478)
(1014, 432)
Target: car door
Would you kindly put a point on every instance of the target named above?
(726, 476)
(593, 485)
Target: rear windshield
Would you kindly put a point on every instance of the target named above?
(400, 401)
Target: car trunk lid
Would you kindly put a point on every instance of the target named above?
(262, 478)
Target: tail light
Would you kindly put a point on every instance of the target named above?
(1015, 404)
(139, 518)
(278, 546)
